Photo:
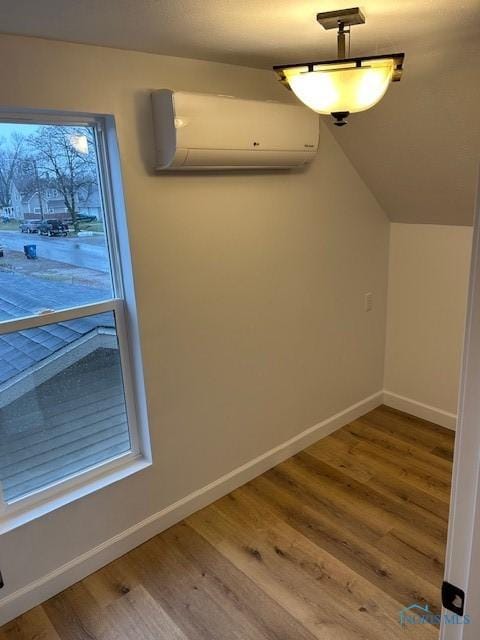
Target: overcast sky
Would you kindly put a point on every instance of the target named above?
(7, 128)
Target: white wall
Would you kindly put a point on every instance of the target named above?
(427, 293)
(250, 290)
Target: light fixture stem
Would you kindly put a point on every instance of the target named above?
(341, 41)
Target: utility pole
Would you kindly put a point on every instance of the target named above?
(37, 182)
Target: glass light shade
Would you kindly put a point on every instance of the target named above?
(344, 87)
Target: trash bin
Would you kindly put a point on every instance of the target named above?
(30, 251)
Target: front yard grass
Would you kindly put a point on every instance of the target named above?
(11, 225)
(91, 226)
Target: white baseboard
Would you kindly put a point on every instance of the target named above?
(420, 410)
(47, 586)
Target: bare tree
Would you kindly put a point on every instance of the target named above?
(11, 155)
(67, 156)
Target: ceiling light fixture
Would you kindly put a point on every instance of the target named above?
(345, 85)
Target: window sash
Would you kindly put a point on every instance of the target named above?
(52, 317)
(104, 171)
(117, 306)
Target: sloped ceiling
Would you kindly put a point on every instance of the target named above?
(418, 150)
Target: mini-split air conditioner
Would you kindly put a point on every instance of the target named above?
(195, 131)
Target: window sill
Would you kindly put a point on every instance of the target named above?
(25, 510)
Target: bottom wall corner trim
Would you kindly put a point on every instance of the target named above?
(420, 410)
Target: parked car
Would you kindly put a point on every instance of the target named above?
(30, 226)
(53, 228)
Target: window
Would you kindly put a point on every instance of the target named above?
(72, 413)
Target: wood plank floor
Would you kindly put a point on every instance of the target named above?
(328, 545)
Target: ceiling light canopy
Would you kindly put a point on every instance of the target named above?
(345, 85)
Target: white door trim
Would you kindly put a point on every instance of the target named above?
(463, 555)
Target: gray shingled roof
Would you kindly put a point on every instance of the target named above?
(70, 423)
(21, 350)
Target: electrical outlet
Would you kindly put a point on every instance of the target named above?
(368, 301)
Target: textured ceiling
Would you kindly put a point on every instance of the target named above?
(417, 150)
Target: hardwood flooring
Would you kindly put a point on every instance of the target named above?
(328, 545)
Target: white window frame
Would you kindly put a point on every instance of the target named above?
(123, 305)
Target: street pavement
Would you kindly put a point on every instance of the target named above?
(80, 252)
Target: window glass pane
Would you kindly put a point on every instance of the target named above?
(50, 200)
(62, 404)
